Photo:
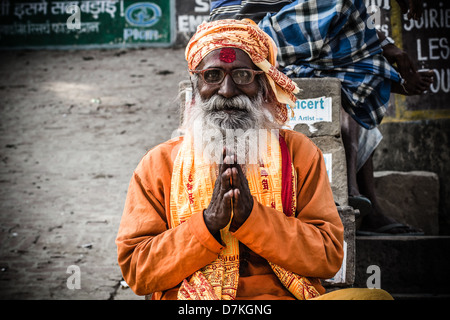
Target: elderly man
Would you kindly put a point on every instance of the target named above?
(199, 223)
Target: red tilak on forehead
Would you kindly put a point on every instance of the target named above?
(227, 55)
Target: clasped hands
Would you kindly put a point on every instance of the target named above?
(231, 194)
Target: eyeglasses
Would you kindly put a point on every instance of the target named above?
(216, 76)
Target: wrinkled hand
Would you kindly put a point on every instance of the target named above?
(231, 191)
(396, 55)
(242, 197)
(415, 82)
(218, 213)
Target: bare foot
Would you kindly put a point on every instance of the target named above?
(378, 222)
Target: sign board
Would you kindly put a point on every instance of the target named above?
(310, 111)
(190, 14)
(86, 23)
(426, 41)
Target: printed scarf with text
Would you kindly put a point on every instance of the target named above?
(192, 186)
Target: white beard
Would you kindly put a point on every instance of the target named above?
(243, 131)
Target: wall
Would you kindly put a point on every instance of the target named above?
(189, 14)
(416, 128)
(48, 24)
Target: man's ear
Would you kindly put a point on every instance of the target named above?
(194, 81)
(268, 94)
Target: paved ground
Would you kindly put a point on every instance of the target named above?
(73, 126)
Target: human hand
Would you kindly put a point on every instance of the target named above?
(231, 192)
(395, 55)
(218, 213)
(415, 82)
(242, 197)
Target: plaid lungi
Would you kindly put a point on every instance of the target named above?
(331, 38)
(325, 38)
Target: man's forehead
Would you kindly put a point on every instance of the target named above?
(227, 56)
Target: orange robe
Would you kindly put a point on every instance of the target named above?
(155, 258)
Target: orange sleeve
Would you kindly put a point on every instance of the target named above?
(153, 257)
(309, 244)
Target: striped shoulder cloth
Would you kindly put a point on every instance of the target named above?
(240, 9)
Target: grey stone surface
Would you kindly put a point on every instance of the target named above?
(316, 88)
(333, 145)
(419, 145)
(327, 136)
(347, 215)
(184, 86)
(410, 197)
(72, 131)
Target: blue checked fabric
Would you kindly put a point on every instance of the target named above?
(240, 9)
(329, 38)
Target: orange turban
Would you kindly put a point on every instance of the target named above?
(247, 36)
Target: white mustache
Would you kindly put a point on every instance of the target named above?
(218, 103)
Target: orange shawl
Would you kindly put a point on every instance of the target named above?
(192, 186)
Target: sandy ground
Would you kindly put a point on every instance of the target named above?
(73, 126)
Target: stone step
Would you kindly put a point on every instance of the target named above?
(410, 197)
(419, 145)
(334, 156)
(407, 266)
(421, 296)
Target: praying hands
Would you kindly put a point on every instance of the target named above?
(231, 194)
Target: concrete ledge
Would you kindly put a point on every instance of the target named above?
(420, 296)
(347, 215)
(419, 145)
(333, 145)
(410, 197)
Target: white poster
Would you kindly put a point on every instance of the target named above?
(328, 157)
(339, 277)
(310, 111)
